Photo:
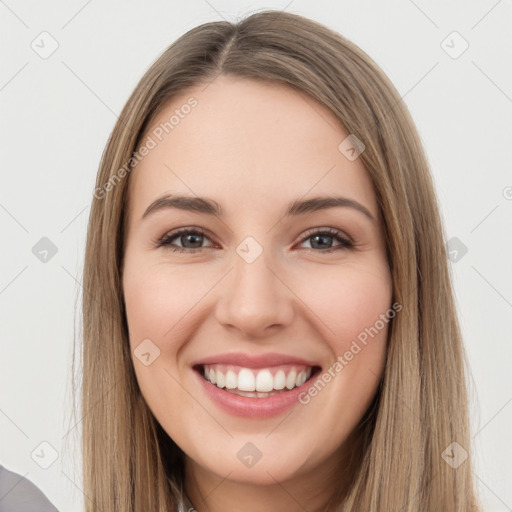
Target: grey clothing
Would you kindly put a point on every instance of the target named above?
(17, 494)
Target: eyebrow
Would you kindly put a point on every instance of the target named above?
(297, 207)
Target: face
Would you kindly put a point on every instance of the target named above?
(258, 334)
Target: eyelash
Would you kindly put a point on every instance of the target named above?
(165, 241)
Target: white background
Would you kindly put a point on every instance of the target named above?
(57, 114)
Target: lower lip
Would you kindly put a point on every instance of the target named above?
(252, 407)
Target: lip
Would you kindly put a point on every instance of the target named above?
(254, 407)
(254, 361)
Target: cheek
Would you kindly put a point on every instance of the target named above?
(157, 304)
(355, 313)
(353, 305)
(349, 300)
(157, 301)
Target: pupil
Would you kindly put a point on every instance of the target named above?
(192, 237)
(316, 237)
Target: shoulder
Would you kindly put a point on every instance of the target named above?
(18, 494)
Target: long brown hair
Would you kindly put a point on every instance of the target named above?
(130, 464)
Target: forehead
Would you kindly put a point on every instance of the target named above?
(246, 142)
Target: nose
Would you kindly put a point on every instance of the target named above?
(255, 298)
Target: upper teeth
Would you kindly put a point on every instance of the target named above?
(263, 380)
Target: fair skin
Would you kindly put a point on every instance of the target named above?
(254, 148)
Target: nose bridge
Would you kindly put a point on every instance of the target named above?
(254, 298)
(253, 278)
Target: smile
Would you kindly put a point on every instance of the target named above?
(256, 383)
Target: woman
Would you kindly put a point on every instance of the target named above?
(257, 368)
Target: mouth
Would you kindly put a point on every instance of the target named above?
(257, 383)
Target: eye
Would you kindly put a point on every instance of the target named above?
(194, 237)
(319, 237)
(192, 240)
